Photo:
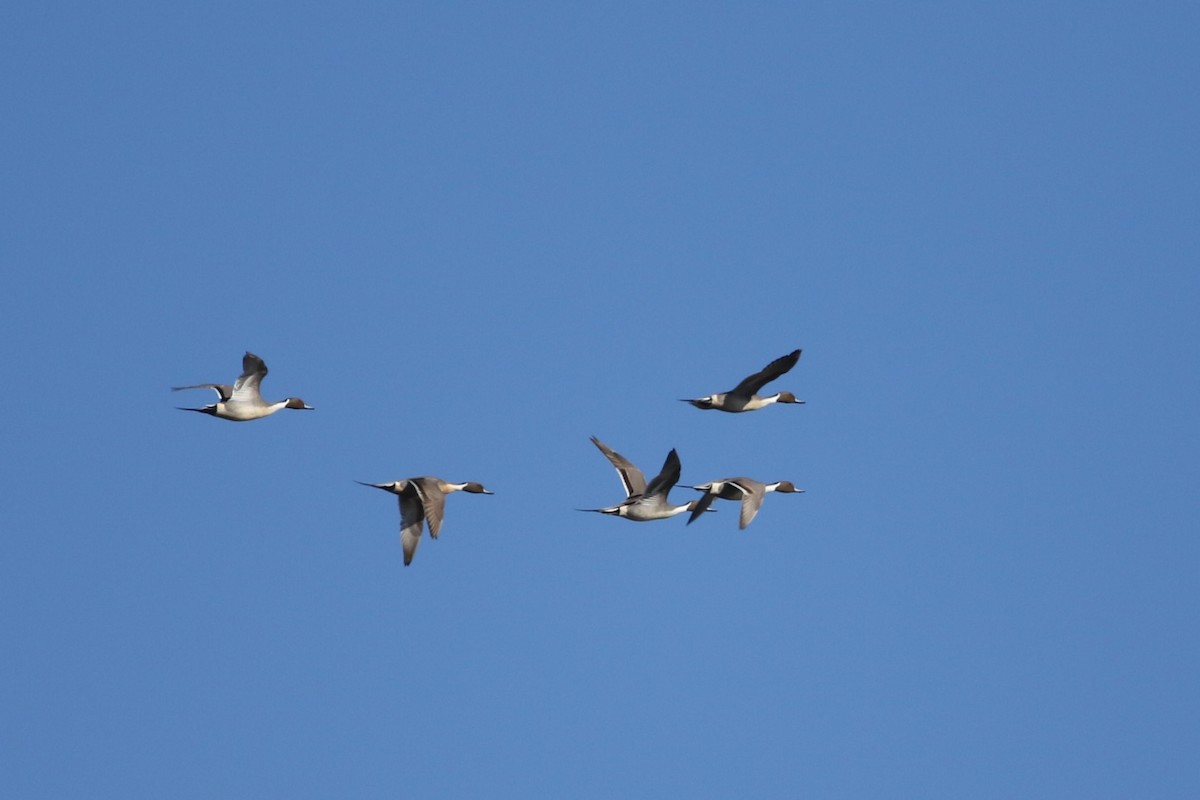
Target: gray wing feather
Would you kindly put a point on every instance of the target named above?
(433, 502)
(224, 391)
(701, 506)
(412, 515)
(665, 480)
(752, 501)
(631, 477)
(254, 369)
(770, 372)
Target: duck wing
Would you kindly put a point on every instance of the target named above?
(752, 500)
(631, 477)
(412, 516)
(666, 479)
(224, 390)
(751, 384)
(254, 369)
(701, 505)
(433, 501)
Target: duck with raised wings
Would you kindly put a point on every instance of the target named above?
(643, 501)
(243, 401)
(744, 396)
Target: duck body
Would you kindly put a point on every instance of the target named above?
(422, 504)
(243, 401)
(644, 502)
(746, 490)
(745, 397)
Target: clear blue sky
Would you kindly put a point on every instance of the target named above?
(474, 234)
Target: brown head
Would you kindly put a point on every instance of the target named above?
(296, 402)
(788, 397)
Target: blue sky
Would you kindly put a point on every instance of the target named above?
(472, 235)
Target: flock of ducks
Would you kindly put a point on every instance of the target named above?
(423, 499)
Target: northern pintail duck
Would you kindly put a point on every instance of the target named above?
(643, 502)
(749, 491)
(744, 396)
(422, 500)
(243, 401)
